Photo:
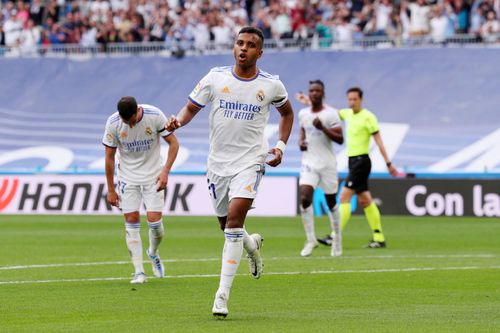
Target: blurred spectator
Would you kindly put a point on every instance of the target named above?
(37, 11)
(29, 38)
(223, 35)
(461, 10)
(2, 36)
(344, 32)
(491, 28)
(419, 18)
(88, 36)
(381, 15)
(263, 23)
(439, 25)
(12, 28)
(281, 24)
(52, 11)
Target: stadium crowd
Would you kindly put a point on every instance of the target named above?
(200, 22)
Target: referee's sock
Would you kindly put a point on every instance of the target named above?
(373, 216)
(345, 214)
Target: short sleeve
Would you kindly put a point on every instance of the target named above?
(343, 114)
(372, 124)
(301, 117)
(161, 120)
(202, 93)
(280, 96)
(110, 138)
(333, 119)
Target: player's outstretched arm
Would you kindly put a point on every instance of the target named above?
(183, 117)
(285, 128)
(378, 140)
(173, 149)
(109, 167)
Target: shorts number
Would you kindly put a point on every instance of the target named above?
(211, 189)
(121, 187)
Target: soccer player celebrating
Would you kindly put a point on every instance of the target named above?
(240, 96)
(136, 130)
(319, 126)
(361, 125)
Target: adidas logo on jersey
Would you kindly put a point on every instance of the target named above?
(225, 90)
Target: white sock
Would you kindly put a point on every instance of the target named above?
(134, 244)
(156, 233)
(231, 256)
(308, 221)
(334, 217)
(249, 244)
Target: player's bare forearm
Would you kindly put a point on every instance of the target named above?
(302, 139)
(286, 121)
(109, 167)
(378, 140)
(335, 134)
(183, 117)
(173, 149)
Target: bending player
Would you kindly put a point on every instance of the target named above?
(135, 131)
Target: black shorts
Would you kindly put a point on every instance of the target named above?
(359, 171)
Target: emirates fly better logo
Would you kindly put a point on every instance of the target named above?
(8, 188)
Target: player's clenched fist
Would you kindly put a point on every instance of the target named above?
(172, 124)
(278, 154)
(113, 199)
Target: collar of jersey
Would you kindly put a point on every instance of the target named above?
(142, 116)
(243, 79)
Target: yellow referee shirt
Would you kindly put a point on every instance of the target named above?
(359, 128)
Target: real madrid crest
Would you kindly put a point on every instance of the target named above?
(260, 95)
(123, 135)
(149, 131)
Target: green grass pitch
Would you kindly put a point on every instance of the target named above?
(71, 274)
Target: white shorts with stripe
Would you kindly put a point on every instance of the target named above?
(131, 197)
(242, 185)
(326, 178)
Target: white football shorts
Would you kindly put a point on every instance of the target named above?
(131, 197)
(326, 178)
(242, 185)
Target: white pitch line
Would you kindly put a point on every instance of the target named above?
(349, 271)
(430, 256)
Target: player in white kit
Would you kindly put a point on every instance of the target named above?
(135, 131)
(240, 96)
(319, 126)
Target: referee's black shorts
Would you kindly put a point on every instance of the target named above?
(359, 171)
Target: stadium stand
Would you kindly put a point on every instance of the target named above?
(29, 27)
(444, 119)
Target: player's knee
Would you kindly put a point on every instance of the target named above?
(154, 216)
(222, 222)
(133, 217)
(364, 201)
(305, 202)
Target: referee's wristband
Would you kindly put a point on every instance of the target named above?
(388, 164)
(281, 146)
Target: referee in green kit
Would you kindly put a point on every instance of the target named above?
(361, 125)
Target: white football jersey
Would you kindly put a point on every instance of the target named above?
(319, 151)
(139, 159)
(239, 115)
